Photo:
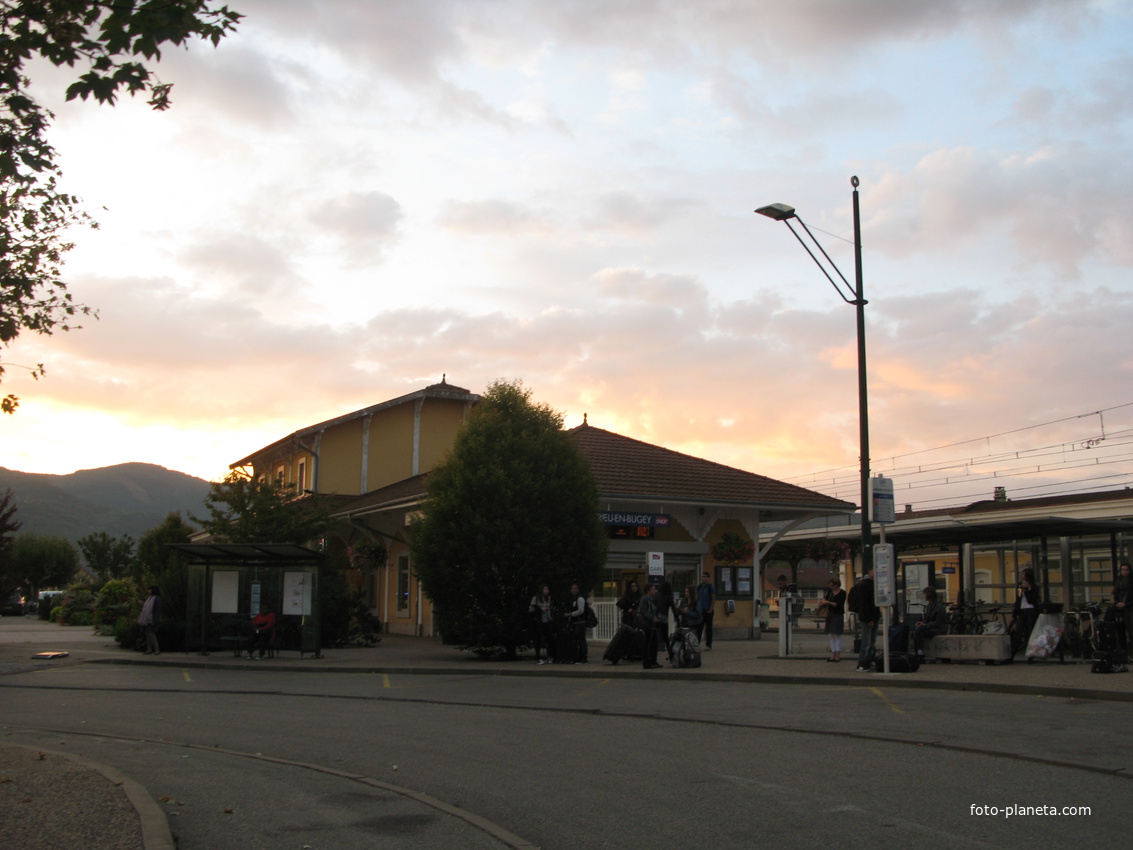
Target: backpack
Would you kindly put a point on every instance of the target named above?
(855, 598)
(590, 617)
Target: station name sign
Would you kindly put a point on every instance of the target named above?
(649, 520)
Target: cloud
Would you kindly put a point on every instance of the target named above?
(494, 216)
(1054, 210)
(365, 223)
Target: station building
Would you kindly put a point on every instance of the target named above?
(664, 510)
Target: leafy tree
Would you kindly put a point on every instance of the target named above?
(113, 39)
(154, 557)
(107, 557)
(245, 511)
(8, 527)
(513, 507)
(41, 561)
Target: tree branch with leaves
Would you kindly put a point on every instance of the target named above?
(113, 40)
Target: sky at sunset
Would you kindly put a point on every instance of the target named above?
(349, 200)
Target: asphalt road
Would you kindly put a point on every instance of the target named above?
(289, 760)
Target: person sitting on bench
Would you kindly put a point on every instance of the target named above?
(263, 632)
(933, 621)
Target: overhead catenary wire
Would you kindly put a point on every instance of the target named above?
(1078, 464)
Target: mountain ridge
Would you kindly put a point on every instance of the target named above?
(127, 498)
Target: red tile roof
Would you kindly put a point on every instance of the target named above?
(630, 468)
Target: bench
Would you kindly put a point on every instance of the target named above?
(988, 648)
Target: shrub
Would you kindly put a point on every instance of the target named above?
(77, 606)
(117, 601)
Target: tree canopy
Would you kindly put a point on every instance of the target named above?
(9, 525)
(245, 511)
(514, 506)
(39, 561)
(106, 556)
(113, 40)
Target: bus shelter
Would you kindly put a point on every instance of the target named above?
(229, 583)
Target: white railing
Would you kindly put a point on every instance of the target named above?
(609, 618)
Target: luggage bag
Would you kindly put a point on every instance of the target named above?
(621, 645)
(899, 662)
(566, 649)
(685, 647)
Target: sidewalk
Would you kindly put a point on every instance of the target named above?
(734, 661)
(756, 662)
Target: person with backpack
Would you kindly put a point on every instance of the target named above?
(868, 617)
(706, 601)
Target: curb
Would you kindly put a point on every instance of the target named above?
(156, 834)
(605, 672)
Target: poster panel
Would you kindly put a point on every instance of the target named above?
(226, 592)
(297, 594)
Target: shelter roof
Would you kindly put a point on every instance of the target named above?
(259, 554)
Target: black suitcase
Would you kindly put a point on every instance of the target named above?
(566, 648)
(621, 645)
(899, 662)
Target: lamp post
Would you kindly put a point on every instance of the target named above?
(854, 295)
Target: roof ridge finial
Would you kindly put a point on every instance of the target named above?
(584, 419)
(443, 376)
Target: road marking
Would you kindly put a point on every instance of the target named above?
(386, 684)
(185, 673)
(885, 700)
(597, 684)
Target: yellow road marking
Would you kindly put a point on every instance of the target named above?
(185, 673)
(885, 700)
(597, 684)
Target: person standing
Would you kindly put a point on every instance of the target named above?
(1025, 613)
(706, 600)
(149, 618)
(665, 604)
(577, 616)
(649, 618)
(540, 611)
(1123, 605)
(835, 602)
(868, 616)
(627, 604)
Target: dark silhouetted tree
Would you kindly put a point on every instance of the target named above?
(514, 506)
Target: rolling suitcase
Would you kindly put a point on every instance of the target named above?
(621, 645)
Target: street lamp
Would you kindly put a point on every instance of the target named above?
(854, 295)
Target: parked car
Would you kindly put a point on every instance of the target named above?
(13, 606)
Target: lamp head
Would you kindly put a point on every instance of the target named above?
(779, 212)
